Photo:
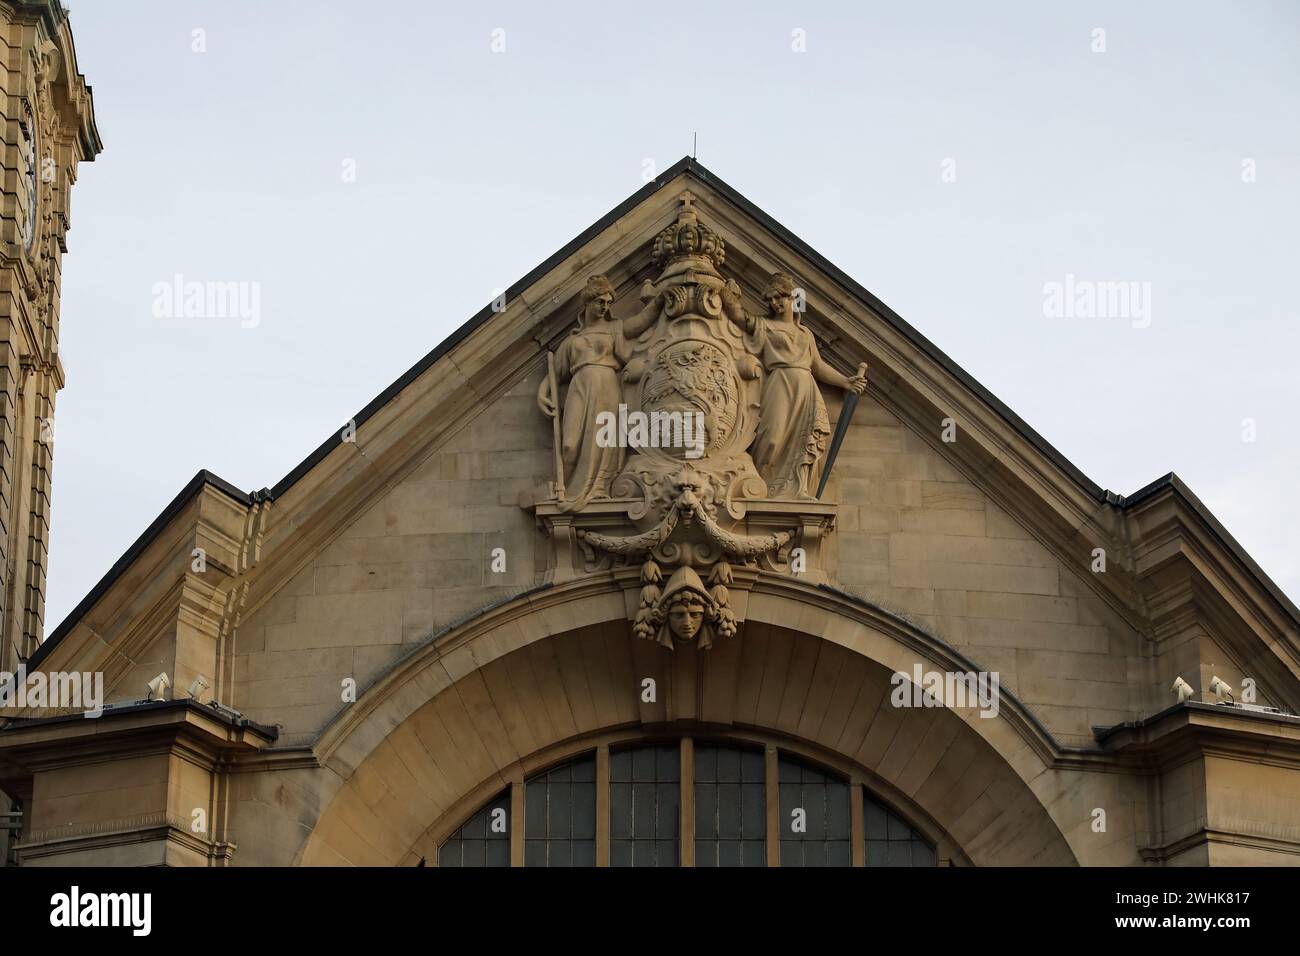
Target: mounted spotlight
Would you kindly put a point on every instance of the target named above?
(1183, 690)
(1222, 689)
(198, 686)
(159, 686)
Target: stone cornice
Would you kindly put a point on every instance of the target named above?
(195, 732)
(1193, 729)
(149, 828)
(1164, 853)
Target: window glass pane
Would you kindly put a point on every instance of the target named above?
(814, 815)
(559, 811)
(728, 765)
(753, 810)
(483, 840)
(475, 853)
(728, 796)
(730, 806)
(837, 810)
(534, 809)
(561, 817)
(645, 819)
(876, 850)
(706, 763)
(666, 851)
(706, 820)
(559, 853)
(891, 840)
(876, 819)
(789, 772)
(645, 806)
(668, 764)
(620, 811)
(643, 765)
(620, 853)
(620, 765)
(584, 808)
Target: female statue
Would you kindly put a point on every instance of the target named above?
(793, 426)
(590, 360)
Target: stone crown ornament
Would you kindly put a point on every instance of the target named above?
(688, 238)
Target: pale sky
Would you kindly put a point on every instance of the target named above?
(472, 166)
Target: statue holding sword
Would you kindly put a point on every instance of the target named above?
(793, 425)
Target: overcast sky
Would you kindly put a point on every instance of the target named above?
(952, 157)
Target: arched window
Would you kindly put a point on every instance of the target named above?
(560, 815)
(690, 802)
(814, 816)
(484, 840)
(730, 807)
(891, 840)
(645, 806)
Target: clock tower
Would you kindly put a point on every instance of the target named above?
(49, 128)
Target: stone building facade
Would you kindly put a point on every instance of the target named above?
(474, 629)
(49, 125)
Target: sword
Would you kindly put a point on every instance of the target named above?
(841, 429)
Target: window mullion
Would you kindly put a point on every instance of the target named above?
(857, 828)
(517, 822)
(602, 805)
(686, 853)
(773, 793)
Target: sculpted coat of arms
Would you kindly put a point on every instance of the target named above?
(693, 421)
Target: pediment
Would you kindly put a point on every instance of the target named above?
(502, 351)
(508, 341)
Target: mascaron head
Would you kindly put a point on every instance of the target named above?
(685, 605)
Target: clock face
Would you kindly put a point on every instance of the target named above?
(27, 229)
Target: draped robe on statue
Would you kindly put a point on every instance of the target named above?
(793, 424)
(590, 359)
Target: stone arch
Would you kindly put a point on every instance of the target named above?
(557, 670)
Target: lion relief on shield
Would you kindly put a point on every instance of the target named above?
(693, 376)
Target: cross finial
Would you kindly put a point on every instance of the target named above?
(687, 212)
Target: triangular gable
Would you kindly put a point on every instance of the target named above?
(916, 379)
